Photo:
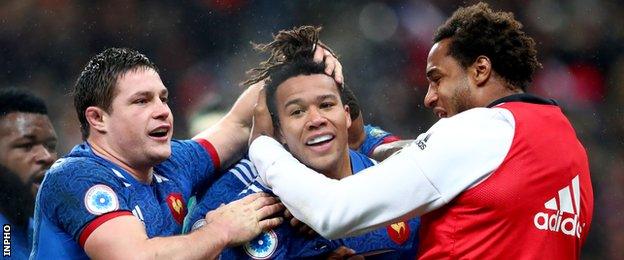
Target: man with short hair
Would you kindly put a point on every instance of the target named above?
(501, 166)
(27, 150)
(122, 193)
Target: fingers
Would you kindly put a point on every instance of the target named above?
(338, 73)
(270, 223)
(330, 63)
(287, 214)
(265, 201)
(319, 53)
(341, 253)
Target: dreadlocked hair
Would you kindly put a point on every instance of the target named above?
(287, 46)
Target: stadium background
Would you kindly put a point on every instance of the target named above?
(202, 49)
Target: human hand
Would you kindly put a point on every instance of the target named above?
(244, 219)
(262, 123)
(332, 65)
(344, 252)
(296, 224)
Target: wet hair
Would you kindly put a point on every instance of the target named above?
(477, 30)
(291, 54)
(96, 85)
(19, 100)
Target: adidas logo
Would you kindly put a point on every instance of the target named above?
(568, 204)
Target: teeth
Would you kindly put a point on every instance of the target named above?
(159, 131)
(319, 139)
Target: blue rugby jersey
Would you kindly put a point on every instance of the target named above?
(374, 137)
(283, 242)
(82, 190)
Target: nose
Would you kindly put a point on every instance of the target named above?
(315, 119)
(431, 98)
(162, 110)
(45, 156)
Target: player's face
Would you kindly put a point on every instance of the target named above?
(140, 124)
(27, 146)
(449, 91)
(313, 121)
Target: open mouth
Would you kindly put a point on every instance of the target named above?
(159, 132)
(320, 140)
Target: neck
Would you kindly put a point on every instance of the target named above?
(140, 173)
(343, 170)
(491, 94)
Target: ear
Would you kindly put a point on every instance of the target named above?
(348, 115)
(481, 70)
(96, 118)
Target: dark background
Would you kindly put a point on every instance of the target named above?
(202, 49)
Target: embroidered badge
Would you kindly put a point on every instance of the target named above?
(399, 232)
(100, 199)
(263, 246)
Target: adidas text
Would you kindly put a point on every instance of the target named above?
(555, 222)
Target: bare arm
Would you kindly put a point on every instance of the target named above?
(229, 225)
(230, 135)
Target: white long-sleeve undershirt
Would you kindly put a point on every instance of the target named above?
(453, 155)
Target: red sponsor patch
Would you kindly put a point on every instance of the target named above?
(399, 232)
(176, 205)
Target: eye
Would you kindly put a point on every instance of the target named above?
(325, 105)
(26, 146)
(296, 112)
(164, 99)
(140, 101)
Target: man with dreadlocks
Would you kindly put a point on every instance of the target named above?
(501, 176)
(313, 120)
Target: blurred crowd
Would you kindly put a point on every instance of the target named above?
(202, 48)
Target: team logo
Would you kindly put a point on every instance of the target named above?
(398, 232)
(565, 219)
(100, 199)
(176, 205)
(263, 246)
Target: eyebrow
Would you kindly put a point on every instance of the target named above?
(319, 98)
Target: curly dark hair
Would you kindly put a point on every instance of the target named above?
(97, 82)
(478, 30)
(287, 46)
(295, 46)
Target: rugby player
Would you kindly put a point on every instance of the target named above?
(501, 166)
(313, 122)
(27, 150)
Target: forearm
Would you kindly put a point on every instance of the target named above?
(351, 206)
(204, 243)
(230, 135)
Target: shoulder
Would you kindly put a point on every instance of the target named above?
(75, 175)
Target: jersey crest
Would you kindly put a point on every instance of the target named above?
(176, 205)
(399, 232)
(100, 199)
(263, 246)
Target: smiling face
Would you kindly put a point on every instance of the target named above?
(139, 126)
(449, 91)
(313, 122)
(27, 146)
